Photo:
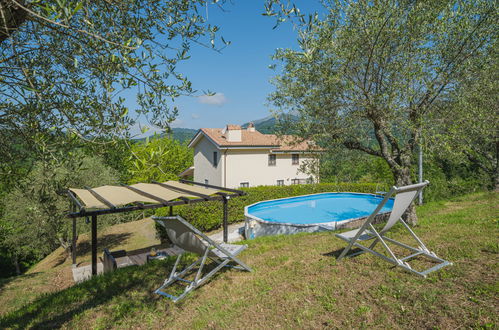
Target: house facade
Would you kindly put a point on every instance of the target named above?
(234, 157)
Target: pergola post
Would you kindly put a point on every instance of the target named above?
(73, 253)
(72, 207)
(94, 245)
(225, 200)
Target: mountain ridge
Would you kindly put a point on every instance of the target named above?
(265, 125)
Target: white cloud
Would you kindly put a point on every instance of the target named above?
(218, 99)
(177, 123)
(195, 116)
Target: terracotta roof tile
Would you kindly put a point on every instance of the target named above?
(248, 139)
(291, 143)
(257, 139)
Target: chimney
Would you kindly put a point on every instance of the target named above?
(232, 133)
(251, 127)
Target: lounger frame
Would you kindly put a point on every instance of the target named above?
(367, 232)
(209, 245)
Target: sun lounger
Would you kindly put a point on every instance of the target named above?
(403, 198)
(183, 235)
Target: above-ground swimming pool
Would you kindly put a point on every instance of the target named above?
(310, 213)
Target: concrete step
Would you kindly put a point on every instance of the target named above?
(235, 233)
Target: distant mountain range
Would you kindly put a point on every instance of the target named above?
(183, 134)
(265, 125)
(268, 125)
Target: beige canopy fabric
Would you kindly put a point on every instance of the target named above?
(140, 192)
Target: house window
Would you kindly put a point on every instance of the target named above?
(272, 160)
(299, 181)
(280, 182)
(295, 159)
(244, 184)
(215, 158)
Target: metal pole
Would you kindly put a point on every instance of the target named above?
(73, 253)
(420, 168)
(72, 208)
(171, 211)
(94, 245)
(226, 220)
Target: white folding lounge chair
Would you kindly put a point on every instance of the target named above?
(183, 235)
(404, 197)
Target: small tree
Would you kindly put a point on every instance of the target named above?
(159, 158)
(368, 75)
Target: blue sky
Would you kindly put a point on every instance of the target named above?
(240, 74)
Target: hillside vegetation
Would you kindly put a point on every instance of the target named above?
(297, 282)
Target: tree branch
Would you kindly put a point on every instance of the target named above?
(90, 34)
(356, 145)
(424, 101)
(371, 53)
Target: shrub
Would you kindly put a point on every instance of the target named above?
(448, 179)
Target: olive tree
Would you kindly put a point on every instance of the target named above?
(368, 73)
(65, 63)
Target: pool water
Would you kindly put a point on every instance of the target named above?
(318, 208)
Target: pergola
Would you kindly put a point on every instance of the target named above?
(92, 202)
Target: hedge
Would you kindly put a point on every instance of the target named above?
(207, 216)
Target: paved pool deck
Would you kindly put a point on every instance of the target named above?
(235, 233)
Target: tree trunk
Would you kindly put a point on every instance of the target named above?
(11, 18)
(67, 246)
(495, 174)
(15, 260)
(403, 178)
(496, 182)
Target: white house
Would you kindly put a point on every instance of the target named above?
(234, 157)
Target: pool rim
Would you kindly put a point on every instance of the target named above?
(330, 223)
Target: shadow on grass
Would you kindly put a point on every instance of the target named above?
(108, 241)
(61, 259)
(109, 291)
(337, 253)
(83, 248)
(5, 281)
(54, 309)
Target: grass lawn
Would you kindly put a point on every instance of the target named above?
(298, 283)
